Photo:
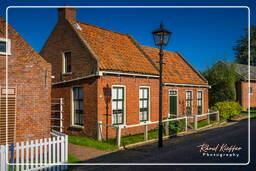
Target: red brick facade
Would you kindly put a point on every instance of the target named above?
(30, 75)
(92, 59)
(242, 90)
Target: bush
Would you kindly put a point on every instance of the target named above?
(227, 109)
(177, 126)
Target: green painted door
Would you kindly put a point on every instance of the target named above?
(173, 105)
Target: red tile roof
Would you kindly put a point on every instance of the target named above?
(115, 51)
(176, 69)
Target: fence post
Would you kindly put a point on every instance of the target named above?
(208, 119)
(167, 127)
(218, 116)
(61, 114)
(3, 154)
(100, 131)
(145, 132)
(186, 124)
(66, 148)
(118, 136)
(195, 122)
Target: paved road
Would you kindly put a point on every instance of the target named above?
(185, 150)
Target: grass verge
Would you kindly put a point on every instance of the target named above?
(72, 159)
(83, 141)
(252, 113)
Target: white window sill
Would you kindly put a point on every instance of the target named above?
(4, 53)
(66, 73)
(77, 126)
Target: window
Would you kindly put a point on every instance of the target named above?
(144, 104)
(5, 46)
(78, 106)
(199, 102)
(250, 90)
(118, 105)
(67, 62)
(189, 102)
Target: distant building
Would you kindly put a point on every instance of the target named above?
(243, 90)
(29, 89)
(109, 77)
(242, 86)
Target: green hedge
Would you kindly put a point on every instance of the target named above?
(227, 109)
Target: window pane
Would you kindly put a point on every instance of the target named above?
(67, 56)
(141, 104)
(81, 105)
(120, 93)
(145, 93)
(145, 104)
(120, 105)
(2, 46)
(141, 93)
(114, 93)
(78, 105)
(114, 105)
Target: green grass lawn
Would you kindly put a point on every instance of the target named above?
(131, 139)
(252, 113)
(72, 159)
(83, 141)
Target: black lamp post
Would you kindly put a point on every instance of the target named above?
(161, 38)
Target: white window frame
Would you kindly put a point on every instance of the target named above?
(122, 86)
(170, 102)
(8, 46)
(149, 106)
(64, 62)
(202, 100)
(191, 101)
(72, 108)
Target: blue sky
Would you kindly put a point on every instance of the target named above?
(202, 36)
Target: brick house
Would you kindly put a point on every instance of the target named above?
(243, 90)
(28, 88)
(91, 63)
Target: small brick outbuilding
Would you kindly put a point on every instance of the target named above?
(109, 77)
(27, 89)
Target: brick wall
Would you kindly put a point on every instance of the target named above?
(95, 105)
(245, 93)
(90, 106)
(31, 75)
(132, 85)
(64, 39)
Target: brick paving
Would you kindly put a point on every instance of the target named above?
(84, 153)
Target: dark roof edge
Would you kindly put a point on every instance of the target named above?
(85, 44)
(198, 73)
(142, 51)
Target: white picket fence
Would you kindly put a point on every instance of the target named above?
(48, 153)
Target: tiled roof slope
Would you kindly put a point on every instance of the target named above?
(176, 69)
(242, 70)
(115, 51)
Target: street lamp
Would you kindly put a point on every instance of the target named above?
(161, 39)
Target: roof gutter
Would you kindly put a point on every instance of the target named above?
(187, 85)
(81, 78)
(128, 74)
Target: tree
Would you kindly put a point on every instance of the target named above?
(222, 78)
(241, 48)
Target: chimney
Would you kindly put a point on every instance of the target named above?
(68, 14)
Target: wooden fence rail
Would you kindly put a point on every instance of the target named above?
(146, 124)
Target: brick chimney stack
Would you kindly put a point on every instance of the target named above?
(67, 13)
